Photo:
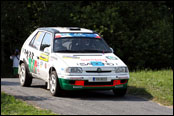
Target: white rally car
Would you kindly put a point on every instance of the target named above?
(71, 58)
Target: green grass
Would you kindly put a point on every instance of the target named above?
(153, 85)
(12, 106)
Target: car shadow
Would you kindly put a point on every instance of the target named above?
(99, 95)
(141, 92)
(107, 95)
(31, 98)
(8, 83)
(132, 94)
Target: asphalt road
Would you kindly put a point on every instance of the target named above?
(82, 102)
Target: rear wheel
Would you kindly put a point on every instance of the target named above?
(120, 92)
(55, 88)
(25, 78)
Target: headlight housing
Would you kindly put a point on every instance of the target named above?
(121, 70)
(74, 70)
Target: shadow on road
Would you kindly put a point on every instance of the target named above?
(31, 98)
(139, 92)
(8, 83)
(106, 95)
(97, 95)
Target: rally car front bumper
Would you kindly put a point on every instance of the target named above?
(91, 82)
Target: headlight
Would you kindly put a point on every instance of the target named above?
(74, 70)
(121, 70)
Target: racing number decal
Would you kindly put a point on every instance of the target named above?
(29, 54)
(32, 63)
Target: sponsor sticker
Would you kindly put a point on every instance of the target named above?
(111, 57)
(41, 64)
(77, 87)
(76, 35)
(45, 65)
(118, 86)
(44, 57)
(70, 57)
(53, 58)
(95, 63)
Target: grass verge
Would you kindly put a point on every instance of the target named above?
(153, 85)
(12, 106)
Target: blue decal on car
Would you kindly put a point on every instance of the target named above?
(96, 63)
(77, 35)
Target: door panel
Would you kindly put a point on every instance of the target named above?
(43, 56)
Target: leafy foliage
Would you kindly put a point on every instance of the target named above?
(141, 33)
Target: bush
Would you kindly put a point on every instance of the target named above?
(141, 33)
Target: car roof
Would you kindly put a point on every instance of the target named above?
(66, 30)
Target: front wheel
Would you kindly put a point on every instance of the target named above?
(55, 88)
(120, 92)
(25, 78)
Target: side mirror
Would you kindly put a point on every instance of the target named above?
(47, 50)
(112, 50)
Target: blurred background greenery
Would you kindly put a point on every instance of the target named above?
(140, 32)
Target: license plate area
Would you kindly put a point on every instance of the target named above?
(99, 79)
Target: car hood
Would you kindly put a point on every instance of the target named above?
(91, 60)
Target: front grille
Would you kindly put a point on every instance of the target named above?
(98, 71)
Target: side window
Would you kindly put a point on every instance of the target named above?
(32, 41)
(36, 41)
(46, 42)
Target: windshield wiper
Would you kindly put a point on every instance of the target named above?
(92, 51)
(107, 52)
(67, 51)
(83, 51)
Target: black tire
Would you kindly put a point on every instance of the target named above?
(120, 92)
(55, 88)
(24, 76)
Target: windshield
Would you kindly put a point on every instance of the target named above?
(80, 45)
